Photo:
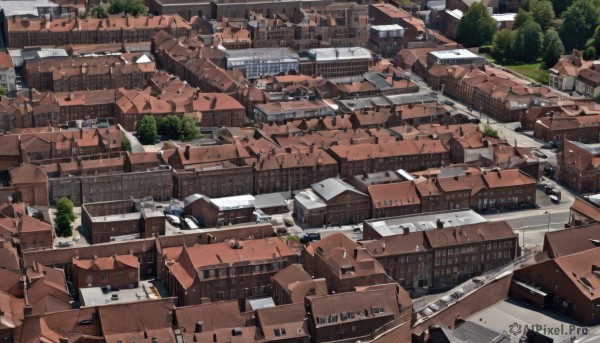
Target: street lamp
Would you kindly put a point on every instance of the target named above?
(548, 213)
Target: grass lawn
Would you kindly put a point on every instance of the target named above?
(533, 71)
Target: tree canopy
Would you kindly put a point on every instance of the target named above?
(477, 27)
(169, 126)
(579, 22)
(528, 42)
(64, 217)
(543, 13)
(502, 44)
(147, 131)
(99, 11)
(133, 7)
(552, 48)
(522, 17)
(188, 130)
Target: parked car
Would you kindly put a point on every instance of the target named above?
(174, 220)
(554, 199)
(310, 237)
(518, 128)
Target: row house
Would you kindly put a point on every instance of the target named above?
(565, 283)
(584, 129)
(343, 263)
(290, 110)
(210, 109)
(292, 284)
(27, 233)
(577, 166)
(23, 31)
(114, 272)
(278, 172)
(410, 155)
(271, 33)
(156, 182)
(489, 90)
(69, 74)
(389, 81)
(585, 210)
(443, 257)
(111, 220)
(226, 270)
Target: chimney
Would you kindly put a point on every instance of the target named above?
(213, 103)
(312, 148)
(186, 153)
(355, 253)
(27, 311)
(383, 247)
(198, 328)
(439, 224)
(405, 230)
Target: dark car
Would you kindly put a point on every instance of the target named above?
(518, 129)
(310, 237)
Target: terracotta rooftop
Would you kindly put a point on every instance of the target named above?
(572, 240)
(107, 263)
(394, 195)
(507, 178)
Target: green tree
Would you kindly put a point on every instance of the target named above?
(169, 126)
(3, 90)
(553, 48)
(561, 5)
(490, 132)
(64, 217)
(579, 22)
(99, 11)
(133, 7)
(589, 53)
(522, 17)
(594, 41)
(188, 130)
(477, 27)
(502, 44)
(146, 129)
(528, 42)
(543, 13)
(126, 145)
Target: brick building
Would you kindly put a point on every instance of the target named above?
(361, 315)
(226, 270)
(410, 155)
(388, 14)
(23, 31)
(566, 283)
(31, 233)
(69, 74)
(440, 258)
(394, 199)
(109, 221)
(282, 171)
(585, 210)
(115, 272)
(331, 202)
(210, 109)
(290, 110)
(220, 211)
(343, 263)
(293, 284)
(336, 62)
(577, 166)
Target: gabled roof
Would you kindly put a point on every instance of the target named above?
(332, 187)
(107, 263)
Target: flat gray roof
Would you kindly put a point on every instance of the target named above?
(284, 54)
(338, 54)
(271, 199)
(454, 54)
(94, 296)
(424, 222)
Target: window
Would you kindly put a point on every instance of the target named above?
(344, 316)
(320, 320)
(333, 318)
(131, 275)
(89, 279)
(375, 310)
(104, 277)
